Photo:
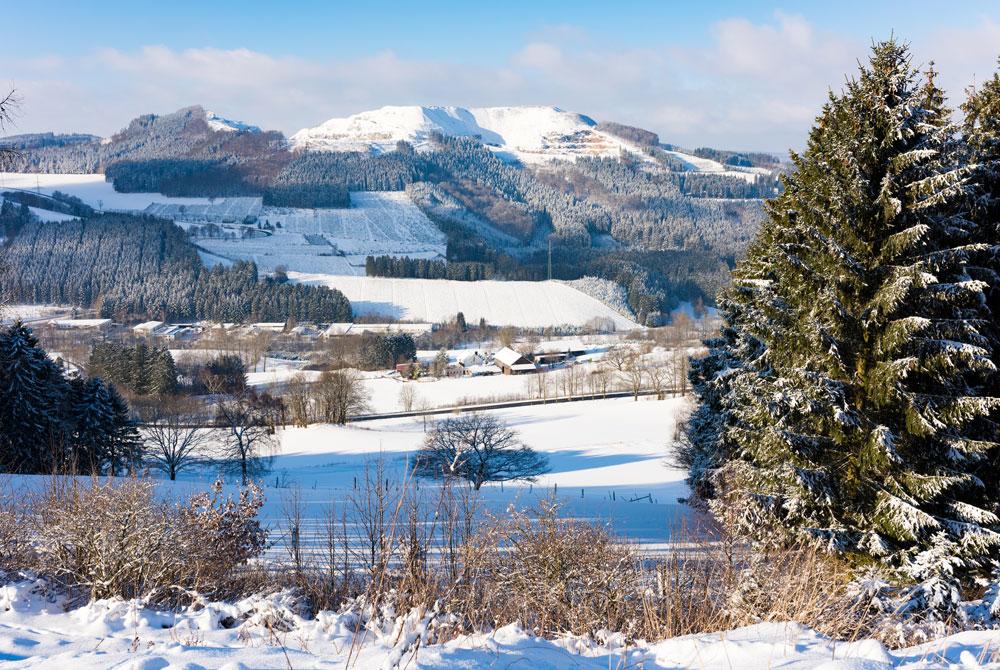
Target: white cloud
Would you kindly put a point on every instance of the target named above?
(752, 86)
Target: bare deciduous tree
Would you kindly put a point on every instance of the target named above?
(8, 105)
(298, 395)
(249, 441)
(341, 393)
(479, 448)
(627, 366)
(659, 374)
(681, 364)
(173, 440)
(407, 397)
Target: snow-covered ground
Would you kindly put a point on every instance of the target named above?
(91, 188)
(38, 632)
(335, 241)
(609, 463)
(47, 215)
(430, 393)
(608, 458)
(30, 313)
(501, 303)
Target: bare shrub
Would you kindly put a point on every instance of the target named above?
(115, 538)
(15, 545)
(553, 575)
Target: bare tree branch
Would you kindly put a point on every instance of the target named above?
(8, 107)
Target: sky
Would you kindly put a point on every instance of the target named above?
(737, 75)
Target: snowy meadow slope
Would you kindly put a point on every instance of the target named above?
(332, 241)
(524, 304)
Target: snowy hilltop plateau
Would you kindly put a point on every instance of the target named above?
(525, 132)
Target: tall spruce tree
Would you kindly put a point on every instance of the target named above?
(93, 425)
(849, 398)
(32, 411)
(125, 452)
(982, 142)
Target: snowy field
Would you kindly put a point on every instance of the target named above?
(335, 241)
(608, 460)
(430, 393)
(91, 188)
(374, 218)
(697, 164)
(38, 632)
(32, 313)
(501, 303)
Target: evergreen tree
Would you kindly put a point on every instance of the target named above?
(982, 136)
(850, 396)
(163, 373)
(93, 425)
(126, 446)
(32, 395)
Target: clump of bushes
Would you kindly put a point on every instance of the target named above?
(115, 538)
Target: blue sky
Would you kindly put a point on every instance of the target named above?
(736, 74)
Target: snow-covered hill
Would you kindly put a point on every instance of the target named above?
(527, 304)
(216, 122)
(529, 133)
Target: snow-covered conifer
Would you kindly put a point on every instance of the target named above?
(852, 392)
(32, 391)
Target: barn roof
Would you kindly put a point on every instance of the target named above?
(510, 358)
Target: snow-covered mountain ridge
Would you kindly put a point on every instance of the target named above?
(528, 133)
(216, 122)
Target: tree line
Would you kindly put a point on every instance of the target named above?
(142, 369)
(423, 268)
(126, 265)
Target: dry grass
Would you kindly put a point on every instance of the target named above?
(555, 576)
(390, 550)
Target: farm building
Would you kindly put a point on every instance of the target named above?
(268, 326)
(307, 331)
(512, 363)
(101, 325)
(147, 327)
(556, 357)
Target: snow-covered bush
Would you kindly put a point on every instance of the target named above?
(937, 595)
(115, 539)
(987, 611)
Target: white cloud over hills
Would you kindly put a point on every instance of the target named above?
(751, 85)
